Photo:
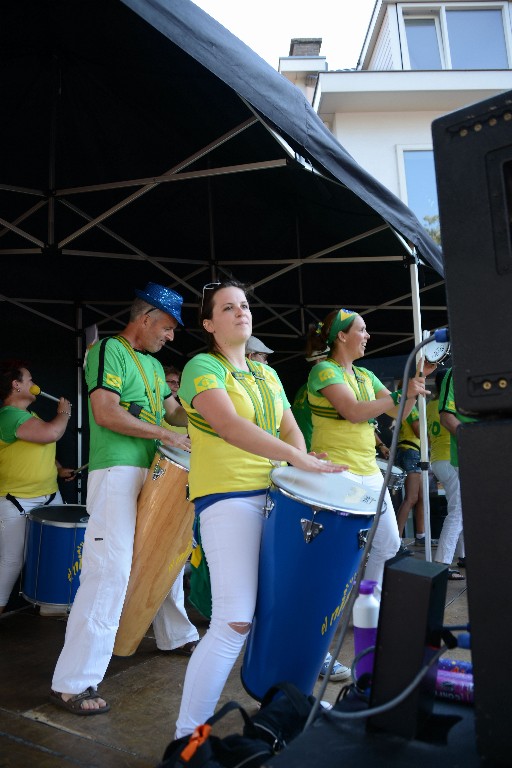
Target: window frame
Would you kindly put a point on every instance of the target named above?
(437, 11)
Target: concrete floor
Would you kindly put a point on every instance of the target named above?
(144, 692)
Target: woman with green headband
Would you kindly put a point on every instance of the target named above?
(345, 401)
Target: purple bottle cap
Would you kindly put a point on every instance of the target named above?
(367, 586)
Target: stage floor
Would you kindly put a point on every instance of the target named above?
(144, 692)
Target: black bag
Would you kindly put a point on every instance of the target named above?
(277, 723)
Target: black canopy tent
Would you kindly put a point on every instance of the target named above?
(143, 141)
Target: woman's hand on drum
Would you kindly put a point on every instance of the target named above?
(316, 462)
(175, 440)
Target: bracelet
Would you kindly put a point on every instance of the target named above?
(66, 413)
(396, 396)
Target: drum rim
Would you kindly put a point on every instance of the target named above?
(45, 508)
(161, 448)
(399, 471)
(323, 506)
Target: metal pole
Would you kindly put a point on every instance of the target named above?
(418, 337)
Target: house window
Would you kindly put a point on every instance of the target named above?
(444, 36)
(423, 43)
(477, 39)
(418, 187)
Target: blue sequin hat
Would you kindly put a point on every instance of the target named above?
(162, 298)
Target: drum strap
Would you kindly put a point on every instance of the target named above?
(408, 444)
(18, 506)
(154, 416)
(264, 409)
(360, 391)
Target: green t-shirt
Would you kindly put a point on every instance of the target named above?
(111, 366)
(215, 465)
(344, 442)
(447, 403)
(302, 413)
(27, 469)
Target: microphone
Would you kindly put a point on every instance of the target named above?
(35, 390)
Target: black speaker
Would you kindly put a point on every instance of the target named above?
(410, 623)
(484, 458)
(473, 161)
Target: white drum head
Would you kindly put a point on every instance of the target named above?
(176, 455)
(327, 491)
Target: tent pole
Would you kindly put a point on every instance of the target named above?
(418, 337)
(79, 414)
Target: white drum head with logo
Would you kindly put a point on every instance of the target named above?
(330, 491)
(176, 456)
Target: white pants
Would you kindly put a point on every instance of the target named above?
(106, 562)
(12, 539)
(230, 534)
(451, 533)
(386, 542)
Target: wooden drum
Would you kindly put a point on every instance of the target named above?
(162, 545)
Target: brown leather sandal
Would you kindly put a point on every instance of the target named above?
(185, 650)
(74, 704)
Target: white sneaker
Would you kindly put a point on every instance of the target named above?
(338, 672)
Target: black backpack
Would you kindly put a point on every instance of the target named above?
(266, 733)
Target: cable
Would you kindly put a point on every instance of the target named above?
(360, 715)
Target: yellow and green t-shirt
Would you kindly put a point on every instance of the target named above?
(215, 465)
(407, 437)
(439, 435)
(27, 469)
(344, 442)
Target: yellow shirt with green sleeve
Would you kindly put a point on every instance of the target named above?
(439, 436)
(344, 442)
(27, 469)
(215, 465)
(407, 438)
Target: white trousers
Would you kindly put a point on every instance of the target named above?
(231, 533)
(12, 539)
(386, 542)
(106, 562)
(451, 533)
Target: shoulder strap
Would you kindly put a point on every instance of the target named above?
(264, 410)
(154, 415)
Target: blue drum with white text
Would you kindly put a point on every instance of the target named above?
(53, 560)
(311, 548)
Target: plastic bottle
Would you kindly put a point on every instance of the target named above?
(366, 619)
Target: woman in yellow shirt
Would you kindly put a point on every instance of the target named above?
(28, 469)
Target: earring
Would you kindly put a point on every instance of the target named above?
(18, 389)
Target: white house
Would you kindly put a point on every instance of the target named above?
(419, 60)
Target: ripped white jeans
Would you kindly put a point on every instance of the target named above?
(230, 535)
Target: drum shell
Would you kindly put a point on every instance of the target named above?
(162, 545)
(302, 590)
(53, 554)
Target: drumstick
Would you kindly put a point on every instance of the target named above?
(79, 469)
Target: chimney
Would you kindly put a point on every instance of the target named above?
(305, 46)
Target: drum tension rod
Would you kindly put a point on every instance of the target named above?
(158, 470)
(310, 528)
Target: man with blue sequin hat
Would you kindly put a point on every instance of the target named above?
(128, 401)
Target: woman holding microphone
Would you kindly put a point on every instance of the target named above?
(239, 422)
(345, 401)
(28, 468)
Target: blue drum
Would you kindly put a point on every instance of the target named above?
(53, 559)
(312, 543)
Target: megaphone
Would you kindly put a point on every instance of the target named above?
(35, 390)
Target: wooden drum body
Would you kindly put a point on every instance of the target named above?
(162, 545)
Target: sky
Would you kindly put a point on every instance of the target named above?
(267, 26)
